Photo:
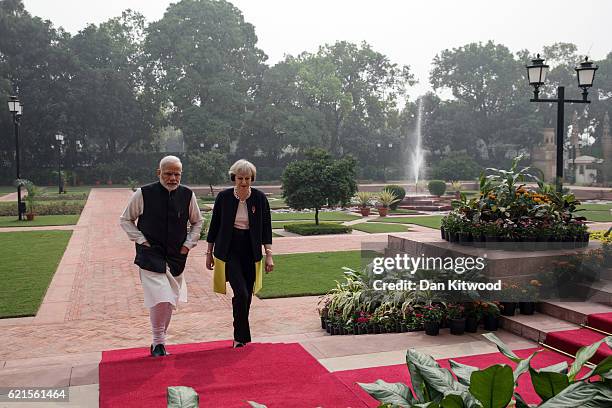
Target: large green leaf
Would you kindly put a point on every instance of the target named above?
(452, 401)
(439, 379)
(560, 368)
(256, 405)
(548, 383)
(503, 348)
(583, 395)
(523, 366)
(603, 369)
(398, 394)
(584, 354)
(520, 402)
(182, 397)
(462, 371)
(493, 386)
(422, 390)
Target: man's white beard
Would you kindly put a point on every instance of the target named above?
(169, 187)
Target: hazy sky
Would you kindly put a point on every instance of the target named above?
(408, 32)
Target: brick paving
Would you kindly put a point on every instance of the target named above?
(94, 303)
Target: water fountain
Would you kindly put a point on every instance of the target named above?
(417, 155)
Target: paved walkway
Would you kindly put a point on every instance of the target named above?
(94, 303)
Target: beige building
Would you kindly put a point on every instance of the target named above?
(543, 156)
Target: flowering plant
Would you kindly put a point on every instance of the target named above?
(432, 313)
(455, 311)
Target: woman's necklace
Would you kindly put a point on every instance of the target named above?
(238, 197)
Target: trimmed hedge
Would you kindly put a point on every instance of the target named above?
(323, 228)
(63, 197)
(437, 187)
(46, 208)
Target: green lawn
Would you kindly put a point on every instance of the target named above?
(7, 189)
(281, 224)
(403, 211)
(39, 221)
(431, 221)
(599, 216)
(307, 274)
(323, 216)
(29, 260)
(374, 228)
(595, 207)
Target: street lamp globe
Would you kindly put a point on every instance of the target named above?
(537, 71)
(59, 137)
(586, 73)
(14, 105)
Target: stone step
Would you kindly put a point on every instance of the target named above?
(573, 312)
(534, 327)
(599, 292)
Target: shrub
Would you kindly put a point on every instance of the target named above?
(457, 166)
(436, 187)
(398, 191)
(314, 229)
(46, 208)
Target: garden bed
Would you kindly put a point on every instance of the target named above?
(320, 229)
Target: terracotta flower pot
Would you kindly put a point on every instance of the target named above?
(382, 211)
(30, 216)
(365, 211)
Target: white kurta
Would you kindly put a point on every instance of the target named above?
(159, 287)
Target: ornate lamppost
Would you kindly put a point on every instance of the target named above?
(60, 142)
(16, 108)
(536, 73)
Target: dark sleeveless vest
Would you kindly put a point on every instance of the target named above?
(164, 223)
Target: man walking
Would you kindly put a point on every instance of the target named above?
(163, 210)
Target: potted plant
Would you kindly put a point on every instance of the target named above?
(364, 199)
(30, 199)
(456, 186)
(509, 295)
(473, 315)
(456, 316)
(386, 198)
(530, 294)
(432, 316)
(490, 315)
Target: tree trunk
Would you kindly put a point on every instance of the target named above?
(212, 192)
(316, 216)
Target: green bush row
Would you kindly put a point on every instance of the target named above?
(46, 208)
(321, 229)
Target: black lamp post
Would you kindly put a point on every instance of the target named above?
(16, 108)
(60, 142)
(536, 73)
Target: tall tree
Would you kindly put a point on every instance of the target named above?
(203, 59)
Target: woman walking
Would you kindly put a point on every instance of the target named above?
(240, 225)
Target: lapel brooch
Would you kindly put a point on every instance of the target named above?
(253, 209)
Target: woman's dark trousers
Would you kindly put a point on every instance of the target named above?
(240, 271)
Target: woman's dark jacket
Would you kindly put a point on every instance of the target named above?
(222, 222)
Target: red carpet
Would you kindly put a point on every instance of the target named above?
(601, 321)
(277, 375)
(399, 373)
(572, 340)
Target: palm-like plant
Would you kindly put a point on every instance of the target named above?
(386, 198)
(364, 198)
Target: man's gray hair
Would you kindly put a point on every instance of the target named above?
(168, 160)
(243, 167)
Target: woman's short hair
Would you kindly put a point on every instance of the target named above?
(242, 167)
